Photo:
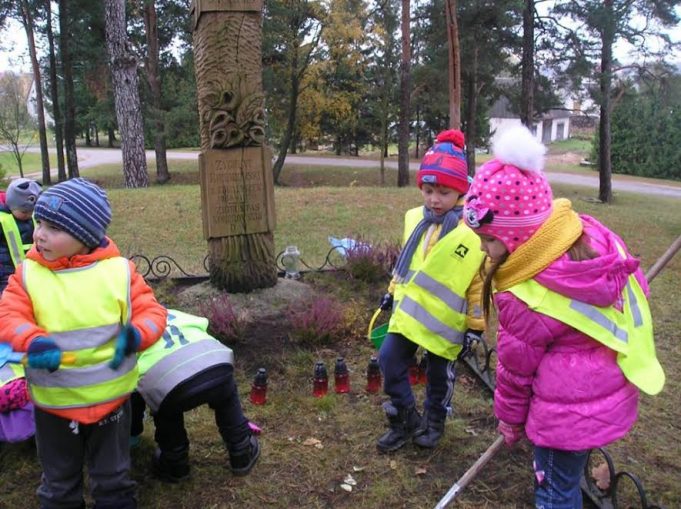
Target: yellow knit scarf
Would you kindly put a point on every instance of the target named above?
(554, 237)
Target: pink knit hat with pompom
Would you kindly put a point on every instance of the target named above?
(510, 197)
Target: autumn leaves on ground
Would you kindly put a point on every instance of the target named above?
(320, 452)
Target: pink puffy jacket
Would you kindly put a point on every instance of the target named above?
(563, 386)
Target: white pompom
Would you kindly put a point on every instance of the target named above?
(516, 146)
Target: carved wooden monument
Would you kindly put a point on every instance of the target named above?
(237, 194)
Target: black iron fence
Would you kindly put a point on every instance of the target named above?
(607, 492)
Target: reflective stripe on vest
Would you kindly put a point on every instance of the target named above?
(629, 332)
(9, 372)
(430, 307)
(17, 250)
(82, 310)
(185, 350)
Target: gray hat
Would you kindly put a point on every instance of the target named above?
(22, 194)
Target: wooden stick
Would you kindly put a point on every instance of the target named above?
(471, 473)
(663, 260)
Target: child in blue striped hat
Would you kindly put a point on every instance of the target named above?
(434, 295)
(75, 293)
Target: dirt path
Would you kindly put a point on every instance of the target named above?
(91, 157)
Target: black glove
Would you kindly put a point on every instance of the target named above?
(386, 302)
(470, 339)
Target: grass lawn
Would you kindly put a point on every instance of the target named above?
(31, 163)
(311, 445)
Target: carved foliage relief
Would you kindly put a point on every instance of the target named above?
(228, 72)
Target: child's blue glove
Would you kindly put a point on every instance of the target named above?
(127, 343)
(43, 353)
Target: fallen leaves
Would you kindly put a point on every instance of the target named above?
(601, 475)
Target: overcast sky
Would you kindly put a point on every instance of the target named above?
(14, 51)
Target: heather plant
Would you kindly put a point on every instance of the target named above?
(224, 321)
(371, 262)
(315, 321)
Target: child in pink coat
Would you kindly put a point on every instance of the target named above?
(575, 340)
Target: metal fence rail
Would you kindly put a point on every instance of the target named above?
(480, 361)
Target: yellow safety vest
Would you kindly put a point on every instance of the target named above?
(629, 332)
(17, 250)
(82, 310)
(430, 306)
(185, 350)
(11, 371)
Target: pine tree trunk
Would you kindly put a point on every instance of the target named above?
(471, 109)
(27, 20)
(154, 79)
(604, 131)
(291, 117)
(405, 99)
(454, 60)
(123, 65)
(527, 63)
(54, 92)
(69, 99)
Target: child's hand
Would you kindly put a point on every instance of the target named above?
(513, 433)
(469, 340)
(386, 303)
(43, 353)
(127, 343)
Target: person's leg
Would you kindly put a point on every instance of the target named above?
(108, 458)
(243, 446)
(171, 460)
(137, 408)
(61, 455)
(557, 476)
(440, 375)
(403, 419)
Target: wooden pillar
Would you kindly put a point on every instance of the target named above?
(237, 192)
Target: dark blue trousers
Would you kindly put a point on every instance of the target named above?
(214, 387)
(394, 356)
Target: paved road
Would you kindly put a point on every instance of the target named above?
(90, 157)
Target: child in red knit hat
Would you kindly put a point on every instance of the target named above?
(434, 294)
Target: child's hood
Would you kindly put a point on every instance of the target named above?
(107, 250)
(599, 281)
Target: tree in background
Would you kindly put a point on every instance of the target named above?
(405, 98)
(646, 124)
(292, 31)
(123, 64)
(454, 64)
(154, 80)
(65, 42)
(382, 75)
(17, 128)
(27, 15)
(343, 70)
(602, 24)
(54, 93)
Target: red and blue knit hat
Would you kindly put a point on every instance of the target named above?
(79, 207)
(445, 162)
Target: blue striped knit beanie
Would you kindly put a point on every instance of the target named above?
(79, 207)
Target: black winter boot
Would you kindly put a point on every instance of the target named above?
(242, 456)
(403, 422)
(430, 430)
(171, 466)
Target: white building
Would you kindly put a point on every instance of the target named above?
(554, 125)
